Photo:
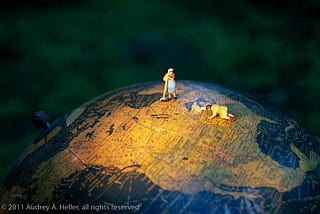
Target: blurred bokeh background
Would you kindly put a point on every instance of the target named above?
(58, 54)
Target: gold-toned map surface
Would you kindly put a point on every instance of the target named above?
(127, 147)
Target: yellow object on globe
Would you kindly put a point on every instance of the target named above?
(127, 152)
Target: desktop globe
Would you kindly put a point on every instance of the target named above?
(126, 151)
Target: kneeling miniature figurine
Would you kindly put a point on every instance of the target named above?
(222, 111)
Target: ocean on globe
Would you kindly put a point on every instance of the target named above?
(127, 152)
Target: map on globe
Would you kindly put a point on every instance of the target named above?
(126, 151)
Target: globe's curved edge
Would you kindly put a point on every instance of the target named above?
(279, 134)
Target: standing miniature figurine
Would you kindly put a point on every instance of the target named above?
(169, 85)
(222, 111)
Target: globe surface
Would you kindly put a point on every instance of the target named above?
(126, 151)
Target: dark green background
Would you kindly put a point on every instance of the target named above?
(56, 55)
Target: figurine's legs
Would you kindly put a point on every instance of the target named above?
(172, 88)
(230, 115)
(223, 112)
(226, 117)
(174, 95)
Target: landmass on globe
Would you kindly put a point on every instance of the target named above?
(127, 148)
